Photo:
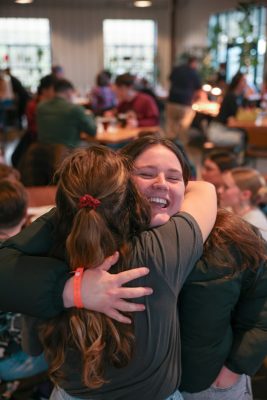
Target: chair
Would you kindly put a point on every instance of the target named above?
(38, 165)
(41, 195)
(257, 143)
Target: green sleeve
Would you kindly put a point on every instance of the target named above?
(86, 122)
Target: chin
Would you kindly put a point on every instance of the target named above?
(159, 219)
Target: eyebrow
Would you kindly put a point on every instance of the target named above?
(154, 167)
(172, 170)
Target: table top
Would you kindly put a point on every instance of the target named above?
(118, 135)
(236, 123)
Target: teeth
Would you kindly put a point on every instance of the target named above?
(158, 200)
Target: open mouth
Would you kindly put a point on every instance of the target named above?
(158, 201)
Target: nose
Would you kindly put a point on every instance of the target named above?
(220, 190)
(160, 182)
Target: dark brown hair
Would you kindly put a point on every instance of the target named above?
(138, 146)
(13, 203)
(9, 172)
(224, 160)
(125, 80)
(90, 236)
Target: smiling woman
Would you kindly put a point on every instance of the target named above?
(158, 174)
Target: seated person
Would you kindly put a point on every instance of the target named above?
(141, 109)
(215, 163)
(102, 96)
(233, 98)
(45, 91)
(243, 190)
(7, 172)
(6, 98)
(61, 121)
(218, 132)
(14, 363)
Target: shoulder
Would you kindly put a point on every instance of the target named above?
(176, 236)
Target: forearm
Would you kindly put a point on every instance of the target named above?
(201, 202)
(31, 285)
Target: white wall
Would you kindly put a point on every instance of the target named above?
(76, 36)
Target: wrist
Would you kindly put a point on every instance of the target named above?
(68, 298)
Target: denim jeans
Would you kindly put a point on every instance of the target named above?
(20, 365)
(60, 394)
(241, 390)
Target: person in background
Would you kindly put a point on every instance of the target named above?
(15, 364)
(233, 98)
(243, 189)
(185, 88)
(140, 108)
(57, 71)
(7, 172)
(45, 91)
(21, 96)
(6, 98)
(102, 97)
(59, 121)
(215, 163)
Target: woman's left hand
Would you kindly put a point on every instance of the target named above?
(226, 378)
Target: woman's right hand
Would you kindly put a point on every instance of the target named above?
(103, 292)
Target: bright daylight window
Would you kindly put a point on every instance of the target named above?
(25, 49)
(130, 46)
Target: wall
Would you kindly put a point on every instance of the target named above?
(76, 36)
(76, 33)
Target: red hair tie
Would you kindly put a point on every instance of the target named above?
(88, 201)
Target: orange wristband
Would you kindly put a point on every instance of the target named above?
(77, 283)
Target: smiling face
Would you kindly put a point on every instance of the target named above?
(159, 176)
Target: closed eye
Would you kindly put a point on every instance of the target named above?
(146, 175)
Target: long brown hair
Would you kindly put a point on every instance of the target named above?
(90, 236)
(234, 243)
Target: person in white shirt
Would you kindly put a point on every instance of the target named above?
(243, 190)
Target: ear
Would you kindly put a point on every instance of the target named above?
(246, 195)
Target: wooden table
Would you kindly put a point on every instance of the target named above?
(119, 135)
(247, 125)
(256, 136)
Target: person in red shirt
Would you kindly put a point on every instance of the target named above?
(140, 108)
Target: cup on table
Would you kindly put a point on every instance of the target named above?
(122, 120)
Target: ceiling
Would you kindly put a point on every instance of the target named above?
(86, 3)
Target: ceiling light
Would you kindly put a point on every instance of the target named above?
(143, 3)
(23, 1)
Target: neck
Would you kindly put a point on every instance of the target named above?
(242, 209)
(131, 95)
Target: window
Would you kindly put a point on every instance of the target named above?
(25, 49)
(239, 39)
(130, 46)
